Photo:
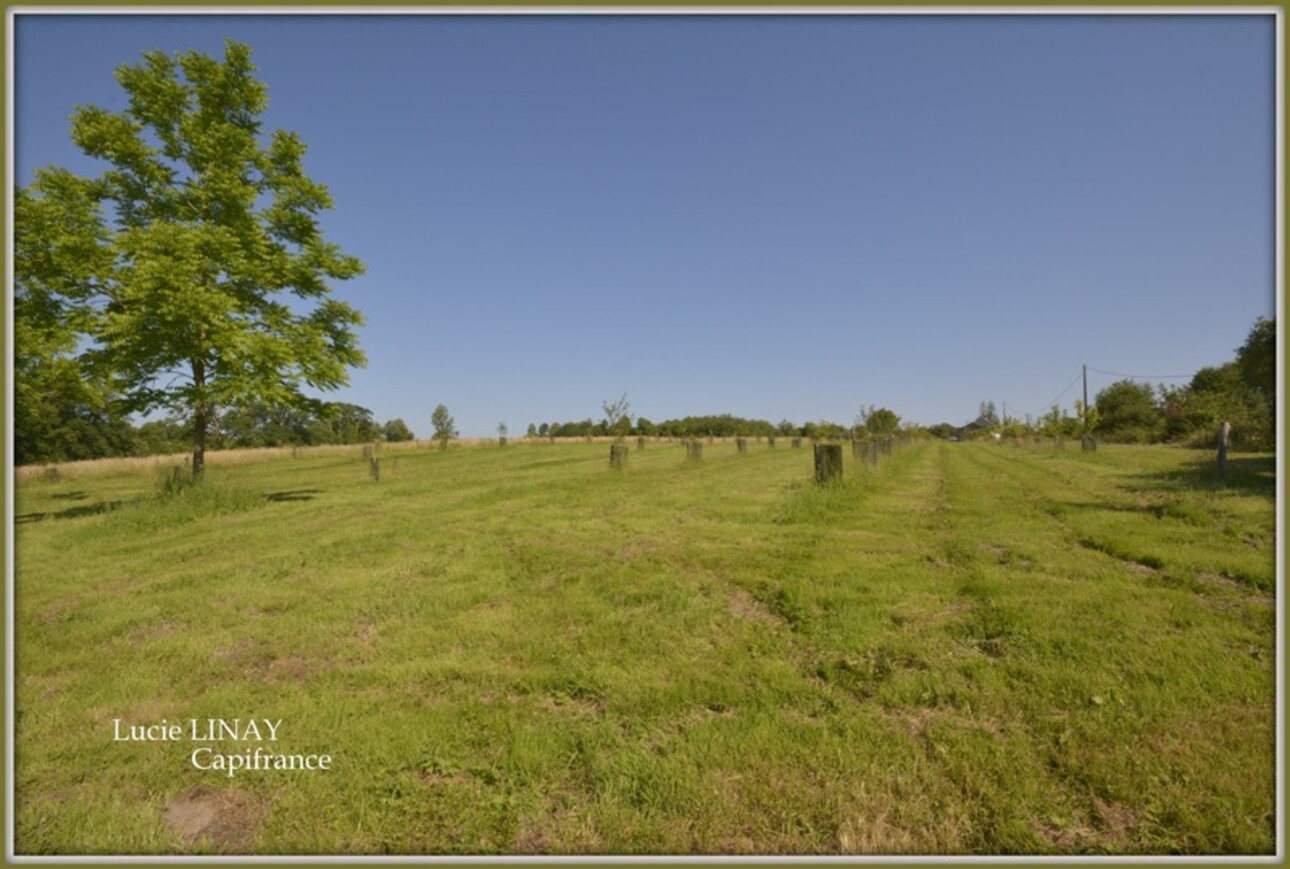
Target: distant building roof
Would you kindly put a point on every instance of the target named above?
(979, 422)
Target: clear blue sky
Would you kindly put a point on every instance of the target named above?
(768, 216)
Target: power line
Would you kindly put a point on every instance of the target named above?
(1064, 391)
(1143, 376)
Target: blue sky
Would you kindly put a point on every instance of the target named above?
(771, 216)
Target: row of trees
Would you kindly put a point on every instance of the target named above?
(1242, 392)
(617, 422)
(72, 430)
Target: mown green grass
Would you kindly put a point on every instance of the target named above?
(969, 649)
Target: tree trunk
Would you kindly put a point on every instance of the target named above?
(200, 420)
(828, 463)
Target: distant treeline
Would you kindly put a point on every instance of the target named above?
(62, 416)
(73, 431)
(722, 425)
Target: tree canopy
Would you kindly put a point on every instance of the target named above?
(445, 427)
(193, 270)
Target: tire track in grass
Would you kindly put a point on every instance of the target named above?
(1204, 581)
(1005, 756)
(1160, 663)
(812, 571)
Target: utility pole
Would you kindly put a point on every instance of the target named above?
(1084, 411)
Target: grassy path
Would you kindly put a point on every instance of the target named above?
(967, 649)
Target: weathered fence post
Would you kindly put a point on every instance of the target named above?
(873, 452)
(1224, 434)
(375, 465)
(741, 444)
(618, 456)
(828, 463)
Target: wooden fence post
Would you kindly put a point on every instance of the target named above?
(1224, 435)
(828, 463)
(375, 467)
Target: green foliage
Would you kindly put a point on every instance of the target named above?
(1256, 360)
(445, 428)
(1058, 423)
(1128, 412)
(174, 262)
(879, 422)
(397, 430)
(616, 421)
(1215, 395)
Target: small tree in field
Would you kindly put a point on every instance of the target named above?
(879, 422)
(445, 429)
(203, 276)
(617, 422)
(396, 430)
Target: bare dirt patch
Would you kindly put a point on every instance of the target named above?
(874, 833)
(155, 632)
(1141, 569)
(745, 606)
(1116, 821)
(227, 820)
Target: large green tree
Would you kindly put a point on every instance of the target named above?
(207, 276)
(1257, 359)
(1128, 411)
(59, 412)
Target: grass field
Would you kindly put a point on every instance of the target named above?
(972, 648)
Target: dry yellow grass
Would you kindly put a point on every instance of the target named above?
(227, 458)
